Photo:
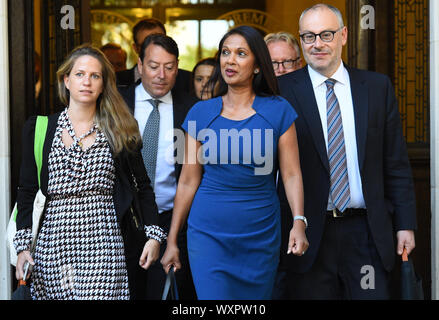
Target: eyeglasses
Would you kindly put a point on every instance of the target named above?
(326, 36)
(287, 64)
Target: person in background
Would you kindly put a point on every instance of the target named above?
(37, 75)
(141, 30)
(38, 80)
(358, 186)
(234, 214)
(160, 106)
(285, 56)
(201, 74)
(284, 51)
(85, 249)
(116, 55)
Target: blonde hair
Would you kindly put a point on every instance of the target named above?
(283, 36)
(112, 117)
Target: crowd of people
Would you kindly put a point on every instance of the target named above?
(254, 176)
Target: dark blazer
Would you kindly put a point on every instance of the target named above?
(384, 166)
(126, 78)
(122, 193)
(182, 102)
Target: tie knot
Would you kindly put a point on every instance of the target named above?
(330, 83)
(154, 102)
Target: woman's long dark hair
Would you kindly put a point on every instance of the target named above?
(264, 82)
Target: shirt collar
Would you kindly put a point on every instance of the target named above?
(318, 79)
(143, 95)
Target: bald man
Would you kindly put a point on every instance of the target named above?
(358, 186)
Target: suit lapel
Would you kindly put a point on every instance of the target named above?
(177, 110)
(121, 195)
(129, 96)
(304, 93)
(180, 107)
(360, 100)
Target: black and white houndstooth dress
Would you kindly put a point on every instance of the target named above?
(79, 252)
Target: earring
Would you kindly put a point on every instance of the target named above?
(256, 71)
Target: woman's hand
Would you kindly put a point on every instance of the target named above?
(171, 257)
(298, 244)
(22, 257)
(150, 254)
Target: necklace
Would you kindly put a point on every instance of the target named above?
(72, 133)
(79, 140)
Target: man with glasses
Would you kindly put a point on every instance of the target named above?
(357, 179)
(284, 52)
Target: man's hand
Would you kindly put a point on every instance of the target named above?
(406, 239)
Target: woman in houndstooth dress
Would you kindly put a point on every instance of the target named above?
(80, 250)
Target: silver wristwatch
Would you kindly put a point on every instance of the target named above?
(303, 219)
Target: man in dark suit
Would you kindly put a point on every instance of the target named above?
(141, 30)
(357, 179)
(160, 106)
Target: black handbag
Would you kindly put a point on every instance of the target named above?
(170, 291)
(23, 291)
(135, 214)
(411, 282)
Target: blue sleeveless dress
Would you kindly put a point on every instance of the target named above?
(233, 235)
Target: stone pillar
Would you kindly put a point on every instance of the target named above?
(5, 192)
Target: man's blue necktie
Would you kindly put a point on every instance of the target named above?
(339, 190)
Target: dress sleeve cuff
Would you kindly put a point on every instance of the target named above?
(156, 233)
(22, 240)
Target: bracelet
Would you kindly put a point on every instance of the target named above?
(301, 218)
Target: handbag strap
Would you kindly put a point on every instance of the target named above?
(405, 256)
(170, 281)
(135, 189)
(40, 136)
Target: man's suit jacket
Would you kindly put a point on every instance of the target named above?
(384, 166)
(126, 78)
(182, 102)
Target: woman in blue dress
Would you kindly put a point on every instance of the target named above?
(234, 144)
